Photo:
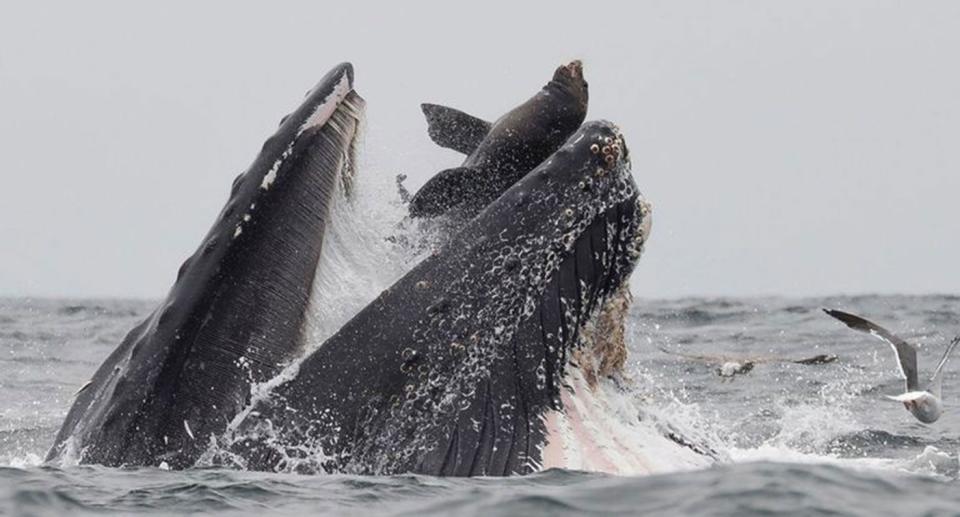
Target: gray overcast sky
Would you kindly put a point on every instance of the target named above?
(788, 147)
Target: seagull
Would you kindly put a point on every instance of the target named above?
(923, 404)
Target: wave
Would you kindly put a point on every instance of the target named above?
(738, 489)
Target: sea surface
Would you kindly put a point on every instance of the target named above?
(798, 439)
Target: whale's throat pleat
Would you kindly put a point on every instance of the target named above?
(502, 429)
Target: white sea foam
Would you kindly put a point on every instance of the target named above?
(360, 257)
(833, 425)
(357, 261)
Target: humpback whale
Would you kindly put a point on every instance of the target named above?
(502, 152)
(460, 367)
(490, 357)
(235, 314)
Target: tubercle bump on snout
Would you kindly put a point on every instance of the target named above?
(608, 145)
(605, 146)
(592, 158)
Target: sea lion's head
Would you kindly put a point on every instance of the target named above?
(569, 78)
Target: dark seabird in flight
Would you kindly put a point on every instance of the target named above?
(730, 366)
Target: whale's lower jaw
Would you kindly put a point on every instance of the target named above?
(599, 429)
(598, 426)
(236, 314)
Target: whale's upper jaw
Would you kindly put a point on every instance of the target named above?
(566, 238)
(607, 229)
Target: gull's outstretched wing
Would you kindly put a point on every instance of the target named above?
(906, 353)
(937, 379)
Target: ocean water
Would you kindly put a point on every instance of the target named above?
(798, 439)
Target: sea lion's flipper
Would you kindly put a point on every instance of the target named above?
(454, 129)
(445, 190)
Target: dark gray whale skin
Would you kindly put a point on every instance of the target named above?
(450, 370)
(234, 316)
(501, 153)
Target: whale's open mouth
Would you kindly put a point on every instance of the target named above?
(452, 369)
